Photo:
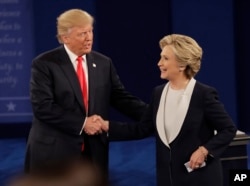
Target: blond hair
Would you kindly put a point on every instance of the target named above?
(187, 51)
(70, 19)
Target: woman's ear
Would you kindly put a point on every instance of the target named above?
(181, 68)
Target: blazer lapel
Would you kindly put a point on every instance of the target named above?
(181, 112)
(67, 67)
(182, 109)
(92, 67)
(191, 110)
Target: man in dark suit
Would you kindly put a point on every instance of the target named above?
(63, 125)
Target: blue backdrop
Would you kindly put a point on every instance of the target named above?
(16, 52)
(129, 36)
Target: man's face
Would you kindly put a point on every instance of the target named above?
(79, 39)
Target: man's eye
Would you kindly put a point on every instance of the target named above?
(82, 34)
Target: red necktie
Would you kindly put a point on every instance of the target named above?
(83, 84)
(82, 80)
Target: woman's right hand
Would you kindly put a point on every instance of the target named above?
(105, 125)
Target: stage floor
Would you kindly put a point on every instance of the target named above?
(131, 162)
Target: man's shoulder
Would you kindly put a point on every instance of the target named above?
(97, 55)
(51, 53)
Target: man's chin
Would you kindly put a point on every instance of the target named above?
(86, 51)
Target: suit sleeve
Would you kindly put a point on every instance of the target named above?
(124, 101)
(46, 107)
(219, 119)
(133, 130)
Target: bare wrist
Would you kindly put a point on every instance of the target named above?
(204, 151)
(106, 125)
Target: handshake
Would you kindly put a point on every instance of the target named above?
(95, 125)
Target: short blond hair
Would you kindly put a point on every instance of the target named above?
(72, 18)
(187, 51)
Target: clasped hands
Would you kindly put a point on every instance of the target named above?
(95, 125)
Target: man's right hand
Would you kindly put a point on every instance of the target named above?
(93, 125)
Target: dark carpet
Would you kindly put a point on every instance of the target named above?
(131, 162)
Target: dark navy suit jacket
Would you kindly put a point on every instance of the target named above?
(59, 112)
(205, 114)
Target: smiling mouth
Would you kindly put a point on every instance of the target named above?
(163, 70)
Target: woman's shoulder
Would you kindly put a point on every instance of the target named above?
(160, 87)
(202, 86)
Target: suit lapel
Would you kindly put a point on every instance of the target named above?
(92, 67)
(68, 69)
(192, 105)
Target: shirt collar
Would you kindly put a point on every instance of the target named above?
(72, 56)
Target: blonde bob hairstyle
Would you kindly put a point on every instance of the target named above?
(187, 52)
(70, 19)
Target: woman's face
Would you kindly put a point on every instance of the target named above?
(168, 64)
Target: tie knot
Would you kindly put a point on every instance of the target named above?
(79, 59)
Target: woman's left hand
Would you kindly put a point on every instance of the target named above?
(198, 157)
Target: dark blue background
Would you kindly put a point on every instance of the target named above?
(129, 32)
(16, 53)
